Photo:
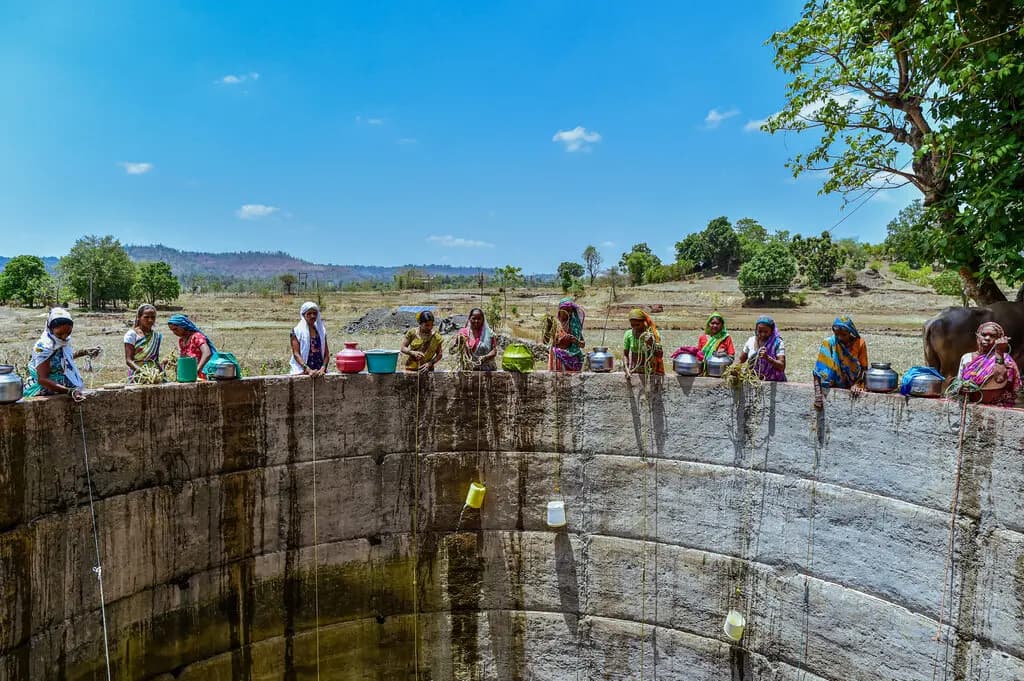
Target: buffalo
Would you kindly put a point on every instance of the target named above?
(951, 333)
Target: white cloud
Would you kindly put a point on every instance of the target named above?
(406, 141)
(232, 79)
(608, 244)
(449, 241)
(577, 139)
(135, 168)
(755, 126)
(375, 121)
(809, 111)
(255, 211)
(715, 117)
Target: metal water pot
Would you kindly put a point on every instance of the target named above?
(601, 361)
(880, 378)
(687, 365)
(10, 385)
(718, 363)
(220, 369)
(926, 386)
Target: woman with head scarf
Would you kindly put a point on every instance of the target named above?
(309, 342)
(51, 369)
(567, 345)
(422, 345)
(766, 349)
(191, 341)
(142, 342)
(842, 360)
(475, 343)
(641, 346)
(716, 338)
(991, 369)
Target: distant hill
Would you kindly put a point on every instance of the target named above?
(259, 265)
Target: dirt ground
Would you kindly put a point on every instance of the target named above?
(889, 314)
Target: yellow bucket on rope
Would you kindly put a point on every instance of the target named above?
(735, 623)
(475, 497)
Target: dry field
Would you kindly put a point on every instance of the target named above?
(256, 329)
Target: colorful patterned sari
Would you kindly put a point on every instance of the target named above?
(983, 368)
(567, 354)
(839, 366)
(762, 367)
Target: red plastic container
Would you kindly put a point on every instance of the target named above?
(350, 360)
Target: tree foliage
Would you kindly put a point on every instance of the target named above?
(23, 279)
(907, 238)
(817, 258)
(922, 93)
(592, 259)
(155, 281)
(717, 247)
(99, 271)
(569, 272)
(288, 280)
(769, 274)
(638, 261)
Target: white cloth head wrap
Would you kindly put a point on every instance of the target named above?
(301, 332)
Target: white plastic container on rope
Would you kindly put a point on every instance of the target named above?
(556, 514)
(735, 623)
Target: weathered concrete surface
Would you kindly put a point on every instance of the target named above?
(684, 498)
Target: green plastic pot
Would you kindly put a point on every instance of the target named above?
(517, 357)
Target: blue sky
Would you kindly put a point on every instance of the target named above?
(397, 132)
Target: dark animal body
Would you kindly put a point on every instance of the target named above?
(951, 333)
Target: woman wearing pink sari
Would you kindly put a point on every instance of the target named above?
(474, 345)
(991, 368)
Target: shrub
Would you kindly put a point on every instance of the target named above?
(769, 274)
(875, 265)
(799, 298)
(900, 269)
(948, 283)
(850, 277)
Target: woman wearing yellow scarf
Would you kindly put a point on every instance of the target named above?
(641, 346)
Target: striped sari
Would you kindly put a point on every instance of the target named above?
(839, 366)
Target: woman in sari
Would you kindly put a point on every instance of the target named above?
(51, 369)
(475, 344)
(567, 345)
(142, 343)
(767, 351)
(716, 338)
(990, 369)
(422, 345)
(191, 341)
(641, 346)
(842, 360)
(309, 342)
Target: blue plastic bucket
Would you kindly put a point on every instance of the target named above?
(381, 361)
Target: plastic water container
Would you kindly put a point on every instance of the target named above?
(556, 514)
(735, 622)
(475, 496)
(188, 369)
(381, 361)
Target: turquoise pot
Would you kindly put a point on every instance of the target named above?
(381, 361)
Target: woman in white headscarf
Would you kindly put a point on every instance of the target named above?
(51, 369)
(309, 343)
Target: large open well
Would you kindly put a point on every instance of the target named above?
(684, 499)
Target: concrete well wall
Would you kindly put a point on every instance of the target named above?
(684, 499)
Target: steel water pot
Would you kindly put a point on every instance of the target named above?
(926, 386)
(686, 364)
(880, 378)
(11, 388)
(601, 361)
(718, 363)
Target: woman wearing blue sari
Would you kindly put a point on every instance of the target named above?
(842, 360)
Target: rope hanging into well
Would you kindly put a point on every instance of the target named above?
(415, 537)
(98, 568)
(316, 534)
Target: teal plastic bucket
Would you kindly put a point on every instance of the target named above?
(187, 369)
(381, 361)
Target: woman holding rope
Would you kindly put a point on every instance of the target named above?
(52, 370)
(641, 346)
(309, 342)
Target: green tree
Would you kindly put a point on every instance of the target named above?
(696, 249)
(769, 274)
(817, 258)
(592, 259)
(638, 261)
(568, 272)
(23, 279)
(99, 271)
(155, 281)
(920, 93)
(288, 280)
(854, 254)
(717, 247)
(752, 237)
(507, 277)
(907, 239)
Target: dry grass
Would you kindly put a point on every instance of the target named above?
(256, 329)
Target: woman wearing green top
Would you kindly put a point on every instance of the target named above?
(641, 346)
(422, 345)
